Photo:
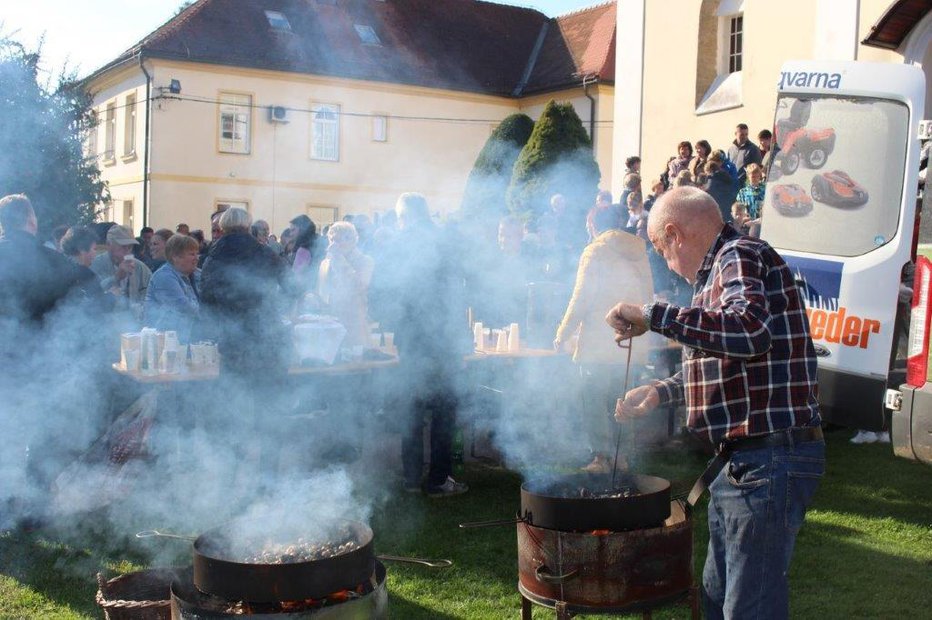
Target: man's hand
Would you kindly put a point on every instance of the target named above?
(126, 269)
(627, 320)
(637, 402)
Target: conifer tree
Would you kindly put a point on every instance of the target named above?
(490, 177)
(557, 159)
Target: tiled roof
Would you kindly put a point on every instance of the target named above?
(578, 44)
(467, 45)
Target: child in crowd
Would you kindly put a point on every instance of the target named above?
(683, 179)
(739, 217)
(656, 190)
(752, 194)
(637, 217)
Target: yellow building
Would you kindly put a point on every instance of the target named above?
(333, 108)
(693, 69)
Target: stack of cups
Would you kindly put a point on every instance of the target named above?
(514, 339)
(130, 350)
(168, 364)
(150, 351)
(478, 336)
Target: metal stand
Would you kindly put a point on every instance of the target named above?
(567, 611)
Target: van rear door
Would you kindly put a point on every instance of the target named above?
(839, 207)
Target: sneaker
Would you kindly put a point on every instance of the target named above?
(864, 437)
(448, 488)
(882, 437)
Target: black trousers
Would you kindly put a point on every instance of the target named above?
(438, 408)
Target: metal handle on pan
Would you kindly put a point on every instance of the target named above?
(543, 574)
(511, 521)
(423, 561)
(158, 534)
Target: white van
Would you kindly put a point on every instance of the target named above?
(840, 208)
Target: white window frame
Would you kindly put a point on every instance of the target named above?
(234, 123)
(727, 90)
(128, 213)
(239, 202)
(379, 127)
(92, 145)
(325, 131)
(315, 212)
(278, 21)
(129, 126)
(732, 29)
(110, 133)
(367, 35)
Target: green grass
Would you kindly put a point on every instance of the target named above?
(864, 552)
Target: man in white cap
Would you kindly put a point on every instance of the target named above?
(120, 273)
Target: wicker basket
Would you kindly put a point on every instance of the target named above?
(144, 595)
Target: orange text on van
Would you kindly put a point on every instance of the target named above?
(839, 326)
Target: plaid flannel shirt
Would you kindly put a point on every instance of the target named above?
(749, 363)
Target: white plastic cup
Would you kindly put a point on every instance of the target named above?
(478, 336)
(514, 338)
(131, 360)
(389, 340)
(375, 340)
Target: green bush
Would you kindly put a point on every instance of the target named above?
(490, 177)
(557, 159)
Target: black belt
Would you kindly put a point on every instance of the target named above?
(725, 449)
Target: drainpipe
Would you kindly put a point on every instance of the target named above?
(588, 80)
(145, 147)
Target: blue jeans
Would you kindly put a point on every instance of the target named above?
(757, 505)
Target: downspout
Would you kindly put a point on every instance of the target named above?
(145, 148)
(587, 81)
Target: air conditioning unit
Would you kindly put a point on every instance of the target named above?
(278, 114)
(925, 130)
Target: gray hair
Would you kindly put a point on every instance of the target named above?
(15, 210)
(690, 208)
(343, 230)
(235, 219)
(412, 208)
(259, 225)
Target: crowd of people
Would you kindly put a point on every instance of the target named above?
(670, 257)
(549, 274)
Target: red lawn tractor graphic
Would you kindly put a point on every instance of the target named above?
(799, 143)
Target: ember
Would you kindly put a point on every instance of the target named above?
(247, 608)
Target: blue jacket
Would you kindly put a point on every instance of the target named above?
(172, 301)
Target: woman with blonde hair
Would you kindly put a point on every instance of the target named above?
(343, 283)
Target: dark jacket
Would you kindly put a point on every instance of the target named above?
(242, 300)
(418, 292)
(747, 153)
(33, 278)
(724, 190)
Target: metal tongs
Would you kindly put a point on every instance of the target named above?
(623, 344)
(422, 561)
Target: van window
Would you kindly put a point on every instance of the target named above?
(836, 184)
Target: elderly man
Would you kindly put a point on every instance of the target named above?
(749, 385)
(120, 273)
(33, 278)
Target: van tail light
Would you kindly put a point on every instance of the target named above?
(917, 357)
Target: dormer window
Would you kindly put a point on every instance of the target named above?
(367, 35)
(278, 21)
